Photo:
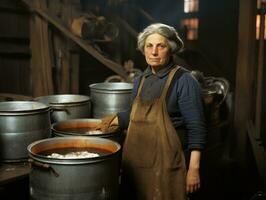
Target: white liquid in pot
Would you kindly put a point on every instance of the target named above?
(74, 155)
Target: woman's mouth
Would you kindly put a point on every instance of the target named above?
(154, 59)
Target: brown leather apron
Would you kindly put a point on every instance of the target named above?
(153, 160)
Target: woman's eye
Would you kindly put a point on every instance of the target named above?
(161, 46)
(148, 46)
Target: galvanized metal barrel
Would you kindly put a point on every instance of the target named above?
(67, 106)
(110, 98)
(74, 178)
(21, 123)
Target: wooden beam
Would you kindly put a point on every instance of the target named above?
(14, 7)
(245, 72)
(55, 21)
(75, 11)
(145, 14)
(13, 172)
(16, 40)
(260, 71)
(127, 27)
(15, 97)
(258, 150)
(71, 9)
(41, 63)
(74, 78)
(10, 49)
(17, 11)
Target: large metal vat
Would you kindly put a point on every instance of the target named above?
(80, 178)
(67, 106)
(110, 98)
(81, 127)
(21, 123)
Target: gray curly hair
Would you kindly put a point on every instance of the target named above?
(175, 42)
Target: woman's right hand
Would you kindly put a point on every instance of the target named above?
(108, 124)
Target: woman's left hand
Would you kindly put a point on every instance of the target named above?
(193, 180)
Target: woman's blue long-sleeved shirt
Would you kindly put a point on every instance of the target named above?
(184, 104)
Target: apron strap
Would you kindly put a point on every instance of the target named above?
(166, 86)
(140, 85)
(168, 81)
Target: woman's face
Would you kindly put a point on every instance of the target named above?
(157, 51)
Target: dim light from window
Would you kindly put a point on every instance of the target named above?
(258, 27)
(191, 28)
(191, 6)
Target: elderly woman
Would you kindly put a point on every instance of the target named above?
(165, 121)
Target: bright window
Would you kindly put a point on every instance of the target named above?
(191, 6)
(258, 27)
(191, 28)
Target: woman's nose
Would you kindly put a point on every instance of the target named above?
(154, 51)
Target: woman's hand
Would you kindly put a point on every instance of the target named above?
(193, 180)
(193, 175)
(108, 124)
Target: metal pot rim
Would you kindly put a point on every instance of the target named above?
(22, 107)
(88, 135)
(45, 159)
(61, 132)
(56, 100)
(111, 86)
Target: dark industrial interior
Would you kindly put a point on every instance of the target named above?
(41, 53)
